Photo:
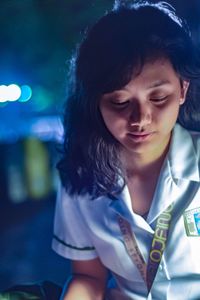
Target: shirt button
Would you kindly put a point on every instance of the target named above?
(161, 267)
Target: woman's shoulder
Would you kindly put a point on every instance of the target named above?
(69, 198)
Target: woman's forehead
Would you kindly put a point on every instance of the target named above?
(155, 71)
(154, 74)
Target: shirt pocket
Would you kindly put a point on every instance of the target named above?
(182, 252)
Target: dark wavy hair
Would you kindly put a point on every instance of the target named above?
(122, 39)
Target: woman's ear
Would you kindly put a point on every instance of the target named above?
(184, 88)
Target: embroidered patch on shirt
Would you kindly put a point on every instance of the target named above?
(192, 222)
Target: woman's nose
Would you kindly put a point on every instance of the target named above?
(140, 114)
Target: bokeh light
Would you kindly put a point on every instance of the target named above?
(3, 93)
(14, 92)
(26, 93)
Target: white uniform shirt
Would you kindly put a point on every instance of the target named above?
(85, 228)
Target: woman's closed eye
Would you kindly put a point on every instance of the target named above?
(120, 103)
(158, 99)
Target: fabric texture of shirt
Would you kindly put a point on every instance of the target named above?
(85, 228)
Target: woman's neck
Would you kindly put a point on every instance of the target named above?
(140, 165)
(143, 169)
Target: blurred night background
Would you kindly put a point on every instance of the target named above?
(37, 39)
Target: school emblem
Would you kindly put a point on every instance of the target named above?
(192, 222)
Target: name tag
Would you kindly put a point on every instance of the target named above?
(192, 222)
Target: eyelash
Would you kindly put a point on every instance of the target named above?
(123, 104)
(120, 104)
(159, 99)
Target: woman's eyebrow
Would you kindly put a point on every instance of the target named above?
(113, 94)
(158, 83)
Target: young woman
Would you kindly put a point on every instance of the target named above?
(129, 204)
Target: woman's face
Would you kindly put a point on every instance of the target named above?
(143, 113)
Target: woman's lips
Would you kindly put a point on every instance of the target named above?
(140, 136)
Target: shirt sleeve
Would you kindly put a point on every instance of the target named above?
(71, 238)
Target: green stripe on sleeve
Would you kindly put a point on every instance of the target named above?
(72, 247)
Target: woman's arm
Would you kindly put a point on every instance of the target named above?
(88, 281)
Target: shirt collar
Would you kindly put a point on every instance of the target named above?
(122, 205)
(182, 156)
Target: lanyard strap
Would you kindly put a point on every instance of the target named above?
(131, 246)
(148, 272)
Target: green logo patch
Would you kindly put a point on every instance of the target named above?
(192, 222)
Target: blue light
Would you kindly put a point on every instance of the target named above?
(26, 93)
